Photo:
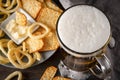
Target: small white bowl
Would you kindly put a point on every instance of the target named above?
(12, 16)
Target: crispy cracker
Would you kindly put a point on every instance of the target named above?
(34, 45)
(32, 7)
(50, 42)
(52, 6)
(49, 17)
(60, 78)
(49, 73)
(21, 19)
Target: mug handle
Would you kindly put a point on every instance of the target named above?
(103, 68)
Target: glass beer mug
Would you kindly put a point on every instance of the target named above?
(83, 32)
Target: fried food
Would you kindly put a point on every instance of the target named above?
(50, 42)
(11, 45)
(49, 73)
(43, 39)
(3, 16)
(21, 19)
(19, 63)
(34, 45)
(1, 33)
(3, 46)
(4, 60)
(60, 78)
(40, 36)
(32, 7)
(49, 17)
(11, 8)
(16, 73)
(52, 6)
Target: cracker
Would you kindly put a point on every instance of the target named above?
(50, 42)
(34, 45)
(32, 7)
(49, 73)
(49, 17)
(52, 6)
(60, 78)
(21, 19)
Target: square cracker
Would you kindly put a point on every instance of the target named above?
(49, 73)
(52, 6)
(34, 45)
(60, 78)
(32, 7)
(50, 42)
(49, 17)
(21, 19)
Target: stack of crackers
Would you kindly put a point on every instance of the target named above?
(46, 12)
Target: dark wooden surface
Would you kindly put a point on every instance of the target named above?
(112, 9)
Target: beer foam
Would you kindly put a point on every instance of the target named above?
(83, 29)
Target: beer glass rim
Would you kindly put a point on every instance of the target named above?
(81, 53)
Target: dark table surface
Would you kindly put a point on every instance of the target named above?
(112, 9)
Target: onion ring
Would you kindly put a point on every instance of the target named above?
(11, 45)
(4, 60)
(4, 16)
(10, 10)
(10, 76)
(32, 27)
(3, 45)
(6, 4)
(12, 4)
(19, 64)
(24, 46)
(1, 33)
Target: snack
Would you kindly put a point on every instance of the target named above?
(10, 8)
(52, 6)
(49, 73)
(3, 16)
(40, 36)
(34, 45)
(3, 46)
(32, 7)
(16, 73)
(43, 39)
(60, 78)
(11, 45)
(19, 63)
(21, 19)
(50, 42)
(1, 33)
(4, 60)
(49, 17)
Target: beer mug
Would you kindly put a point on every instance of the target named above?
(84, 32)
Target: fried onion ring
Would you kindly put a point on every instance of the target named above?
(4, 60)
(3, 45)
(33, 26)
(1, 33)
(3, 16)
(10, 76)
(9, 9)
(19, 63)
(11, 45)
